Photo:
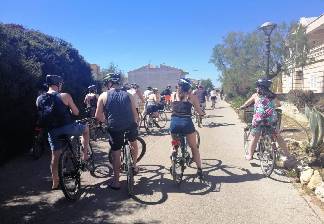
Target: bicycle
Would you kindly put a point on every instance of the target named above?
(141, 148)
(127, 163)
(152, 120)
(40, 143)
(266, 150)
(181, 159)
(71, 165)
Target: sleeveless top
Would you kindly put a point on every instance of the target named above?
(264, 112)
(181, 108)
(62, 110)
(118, 110)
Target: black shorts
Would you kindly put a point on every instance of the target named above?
(213, 97)
(117, 137)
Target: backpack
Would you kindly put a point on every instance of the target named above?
(48, 116)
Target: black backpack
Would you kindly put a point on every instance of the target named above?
(48, 116)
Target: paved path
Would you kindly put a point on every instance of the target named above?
(234, 192)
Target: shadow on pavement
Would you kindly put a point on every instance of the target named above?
(25, 196)
(155, 132)
(215, 125)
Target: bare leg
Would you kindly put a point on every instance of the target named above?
(54, 167)
(253, 145)
(116, 167)
(134, 151)
(85, 143)
(191, 138)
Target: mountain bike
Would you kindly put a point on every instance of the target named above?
(40, 143)
(152, 120)
(180, 159)
(71, 166)
(141, 149)
(127, 163)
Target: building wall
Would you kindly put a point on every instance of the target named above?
(156, 77)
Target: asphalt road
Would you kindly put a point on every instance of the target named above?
(235, 191)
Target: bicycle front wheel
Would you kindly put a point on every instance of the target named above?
(247, 140)
(69, 175)
(267, 156)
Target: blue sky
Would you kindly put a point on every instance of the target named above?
(179, 33)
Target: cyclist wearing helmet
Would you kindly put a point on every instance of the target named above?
(91, 100)
(265, 103)
(167, 94)
(117, 108)
(181, 123)
(63, 123)
(202, 95)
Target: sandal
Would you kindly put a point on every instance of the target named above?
(110, 185)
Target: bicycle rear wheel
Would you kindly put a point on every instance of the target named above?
(129, 171)
(177, 168)
(267, 156)
(162, 119)
(69, 175)
(141, 144)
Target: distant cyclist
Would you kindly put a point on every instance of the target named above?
(202, 95)
(213, 97)
(91, 100)
(117, 108)
(60, 122)
(138, 96)
(152, 103)
(166, 94)
(181, 122)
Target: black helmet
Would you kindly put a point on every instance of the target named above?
(112, 77)
(185, 84)
(53, 80)
(92, 88)
(264, 82)
(134, 85)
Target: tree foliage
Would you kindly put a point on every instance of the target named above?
(207, 83)
(26, 57)
(241, 57)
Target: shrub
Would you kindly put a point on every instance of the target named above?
(26, 57)
(301, 98)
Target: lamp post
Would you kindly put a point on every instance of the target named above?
(267, 28)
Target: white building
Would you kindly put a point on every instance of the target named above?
(311, 77)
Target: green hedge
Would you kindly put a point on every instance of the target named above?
(26, 57)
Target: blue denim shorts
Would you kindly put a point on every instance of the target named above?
(74, 129)
(181, 125)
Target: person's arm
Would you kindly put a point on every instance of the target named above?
(140, 95)
(67, 100)
(99, 114)
(86, 100)
(195, 102)
(248, 102)
(133, 105)
(277, 102)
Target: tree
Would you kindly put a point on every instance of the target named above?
(207, 83)
(241, 56)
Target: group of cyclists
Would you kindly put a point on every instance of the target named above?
(119, 108)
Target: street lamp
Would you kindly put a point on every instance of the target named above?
(267, 28)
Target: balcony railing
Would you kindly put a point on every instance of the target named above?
(316, 53)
